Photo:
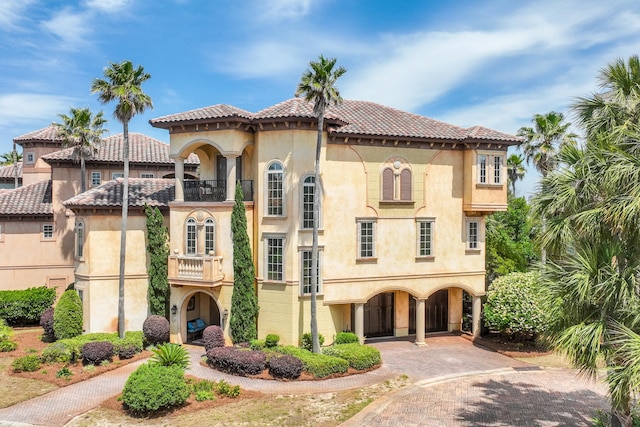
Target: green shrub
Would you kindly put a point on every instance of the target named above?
(69, 350)
(307, 343)
(257, 344)
(359, 356)
(223, 388)
(517, 305)
(346, 338)
(319, 365)
(152, 387)
(6, 337)
(28, 363)
(200, 385)
(202, 395)
(271, 340)
(59, 352)
(64, 373)
(171, 355)
(67, 316)
(25, 306)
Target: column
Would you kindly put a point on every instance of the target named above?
(179, 167)
(359, 327)
(420, 307)
(231, 177)
(475, 316)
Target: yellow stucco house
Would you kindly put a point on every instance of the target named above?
(403, 204)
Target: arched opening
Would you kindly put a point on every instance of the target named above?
(198, 311)
(379, 316)
(436, 313)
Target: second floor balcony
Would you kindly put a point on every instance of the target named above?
(195, 270)
(213, 190)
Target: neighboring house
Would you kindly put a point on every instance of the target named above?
(37, 233)
(403, 206)
(8, 176)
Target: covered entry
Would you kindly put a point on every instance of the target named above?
(198, 311)
(436, 312)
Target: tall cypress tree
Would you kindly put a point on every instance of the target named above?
(244, 301)
(158, 250)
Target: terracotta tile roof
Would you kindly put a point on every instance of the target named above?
(220, 111)
(360, 118)
(9, 171)
(142, 149)
(48, 134)
(33, 199)
(154, 192)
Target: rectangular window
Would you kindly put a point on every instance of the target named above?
(275, 190)
(47, 231)
(425, 237)
(497, 169)
(473, 235)
(146, 175)
(191, 237)
(275, 259)
(115, 175)
(482, 169)
(366, 239)
(308, 188)
(79, 239)
(30, 158)
(96, 179)
(209, 237)
(306, 272)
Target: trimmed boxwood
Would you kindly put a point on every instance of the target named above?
(237, 361)
(271, 340)
(285, 367)
(68, 350)
(213, 336)
(319, 365)
(152, 387)
(25, 306)
(67, 316)
(94, 353)
(156, 330)
(346, 338)
(359, 356)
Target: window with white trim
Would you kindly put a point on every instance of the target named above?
(275, 258)
(425, 237)
(146, 175)
(47, 231)
(30, 158)
(115, 175)
(275, 189)
(305, 272)
(366, 239)
(79, 239)
(490, 169)
(473, 234)
(209, 236)
(96, 178)
(308, 196)
(191, 240)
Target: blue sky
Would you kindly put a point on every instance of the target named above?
(489, 63)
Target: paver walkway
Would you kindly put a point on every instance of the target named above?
(454, 383)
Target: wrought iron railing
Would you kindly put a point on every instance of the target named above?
(212, 190)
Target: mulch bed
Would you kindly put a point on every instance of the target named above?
(503, 345)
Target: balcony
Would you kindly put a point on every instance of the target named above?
(195, 270)
(213, 190)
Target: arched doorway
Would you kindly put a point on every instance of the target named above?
(379, 315)
(199, 305)
(436, 313)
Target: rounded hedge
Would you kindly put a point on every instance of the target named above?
(152, 387)
(94, 353)
(237, 361)
(346, 338)
(285, 367)
(516, 304)
(156, 329)
(213, 337)
(359, 356)
(67, 316)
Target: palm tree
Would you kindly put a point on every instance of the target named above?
(10, 158)
(515, 170)
(543, 141)
(122, 83)
(82, 131)
(317, 85)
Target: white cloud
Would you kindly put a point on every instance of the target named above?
(72, 27)
(31, 108)
(108, 6)
(283, 9)
(11, 13)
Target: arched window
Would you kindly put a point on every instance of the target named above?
(275, 190)
(191, 233)
(209, 236)
(79, 239)
(397, 181)
(308, 196)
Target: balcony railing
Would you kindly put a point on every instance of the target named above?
(213, 190)
(205, 270)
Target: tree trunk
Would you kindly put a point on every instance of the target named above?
(15, 166)
(83, 181)
(123, 230)
(314, 246)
